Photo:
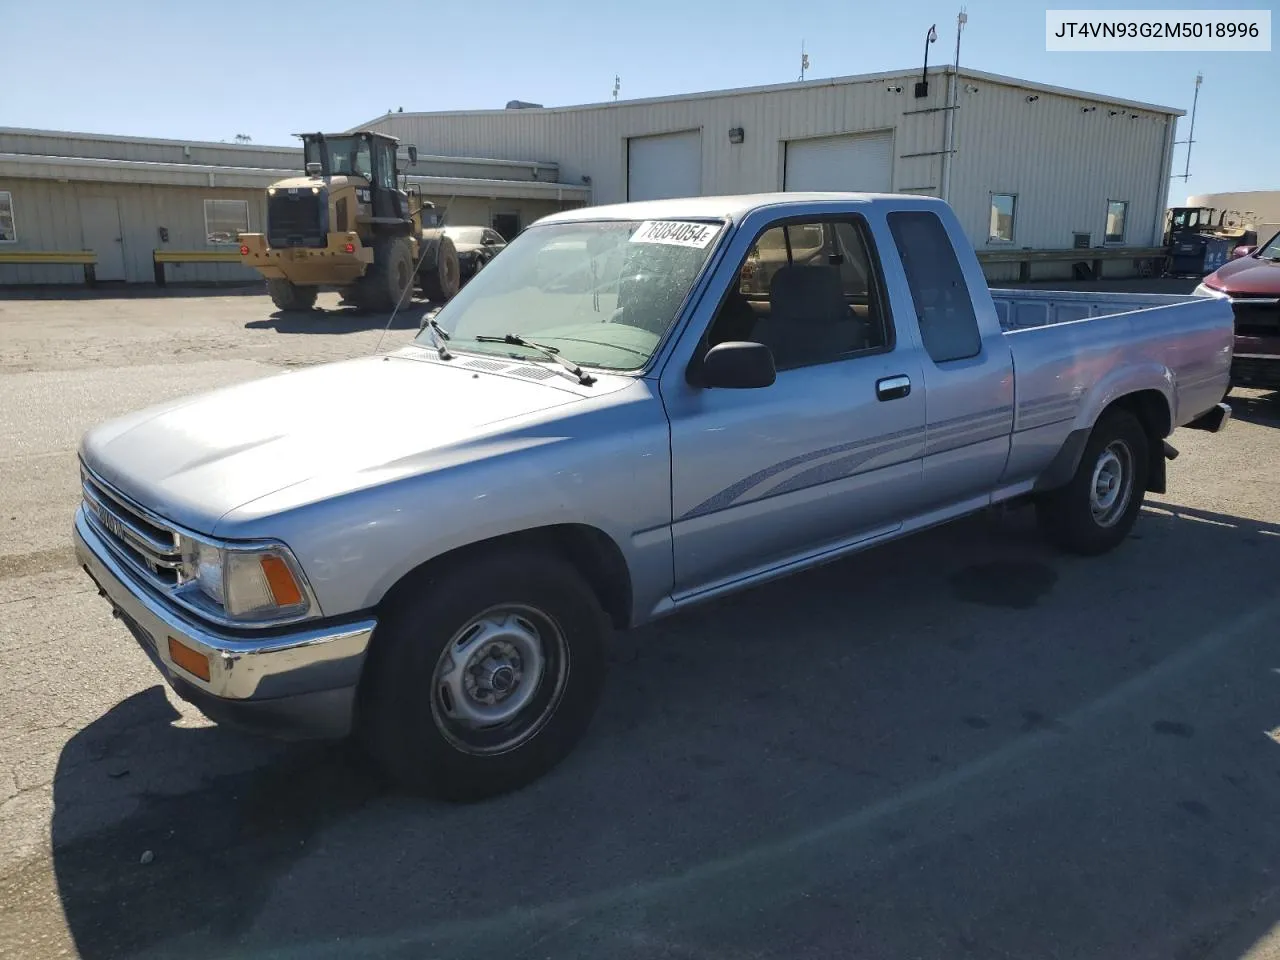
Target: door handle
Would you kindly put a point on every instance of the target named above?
(893, 388)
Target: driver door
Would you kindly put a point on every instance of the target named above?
(831, 452)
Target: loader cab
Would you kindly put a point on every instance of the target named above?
(1181, 220)
(365, 155)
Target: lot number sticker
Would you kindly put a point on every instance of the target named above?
(676, 233)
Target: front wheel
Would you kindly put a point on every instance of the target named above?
(290, 297)
(1096, 510)
(484, 679)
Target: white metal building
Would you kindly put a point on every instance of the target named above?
(1030, 165)
(124, 199)
(1249, 208)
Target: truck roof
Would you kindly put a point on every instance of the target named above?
(728, 207)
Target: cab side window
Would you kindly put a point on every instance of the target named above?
(809, 293)
(363, 164)
(386, 166)
(944, 307)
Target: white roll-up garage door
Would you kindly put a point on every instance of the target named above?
(860, 163)
(669, 165)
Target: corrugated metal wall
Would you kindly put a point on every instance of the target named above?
(1064, 164)
(55, 144)
(49, 216)
(592, 141)
(1061, 162)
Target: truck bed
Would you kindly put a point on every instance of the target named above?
(1068, 346)
(1019, 309)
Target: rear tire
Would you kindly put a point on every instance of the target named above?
(441, 278)
(290, 297)
(1096, 510)
(454, 652)
(390, 275)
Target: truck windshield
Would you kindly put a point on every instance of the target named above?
(341, 156)
(603, 293)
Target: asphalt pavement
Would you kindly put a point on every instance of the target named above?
(960, 745)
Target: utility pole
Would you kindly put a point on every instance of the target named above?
(1191, 134)
(617, 85)
(953, 107)
(804, 60)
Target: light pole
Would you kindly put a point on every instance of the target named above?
(922, 88)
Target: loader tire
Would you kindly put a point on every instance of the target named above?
(441, 275)
(386, 281)
(290, 297)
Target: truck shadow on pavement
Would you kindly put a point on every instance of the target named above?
(342, 320)
(962, 744)
(1258, 406)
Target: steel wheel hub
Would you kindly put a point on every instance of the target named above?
(1109, 491)
(498, 679)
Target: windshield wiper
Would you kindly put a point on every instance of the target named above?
(551, 353)
(438, 336)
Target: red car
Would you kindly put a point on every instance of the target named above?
(1251, 282)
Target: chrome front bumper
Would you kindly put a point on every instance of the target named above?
(298, 682)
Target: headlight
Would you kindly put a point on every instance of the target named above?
(1204, 290)
(249, 583)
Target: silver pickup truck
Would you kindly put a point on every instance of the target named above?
(616, 419)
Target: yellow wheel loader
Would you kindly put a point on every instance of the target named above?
(348, 225)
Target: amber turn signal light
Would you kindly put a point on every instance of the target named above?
(196, 664)
(284, 589)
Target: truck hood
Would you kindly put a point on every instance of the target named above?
(1248, 275)
(195, 459)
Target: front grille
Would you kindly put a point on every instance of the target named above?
(148, 546)
(1256, 318)
(297, 217)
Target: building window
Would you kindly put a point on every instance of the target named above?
(8, 232)
(225, 220)
(1117, 213)
(1003, 206)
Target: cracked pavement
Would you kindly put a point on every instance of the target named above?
(960, 745)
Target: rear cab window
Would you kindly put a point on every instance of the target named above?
(943, 304)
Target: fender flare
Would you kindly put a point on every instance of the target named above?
(1112, 389)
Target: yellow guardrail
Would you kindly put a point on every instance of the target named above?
(161, 257)
(83, 258)
(48, 256)
(197, 256)
(1094, 256)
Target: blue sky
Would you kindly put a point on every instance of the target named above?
(209, 71)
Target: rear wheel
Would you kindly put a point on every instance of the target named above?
(289, 296)
(485, 678)
(1096, 510)
(442, 276)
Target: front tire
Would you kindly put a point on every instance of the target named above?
(441, 278)
(388, 278)
(290, 297)
(1097, 509)
(484, 678)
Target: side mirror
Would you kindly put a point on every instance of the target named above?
(739, 365)
(1241, 251)
(413, 153)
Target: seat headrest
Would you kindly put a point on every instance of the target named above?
(813, 294)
